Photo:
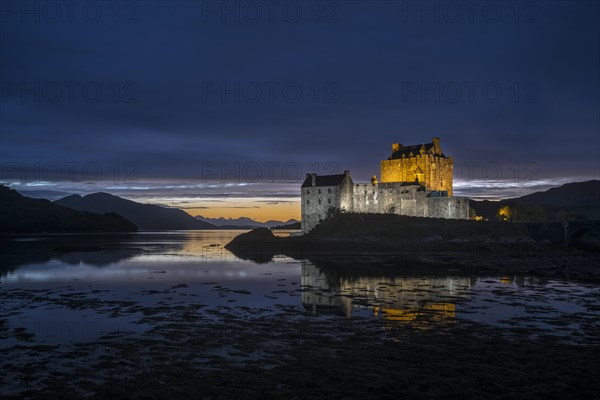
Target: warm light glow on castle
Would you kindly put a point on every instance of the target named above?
(425, 164)
(415, 181)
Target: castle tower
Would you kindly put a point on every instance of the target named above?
(423, 163)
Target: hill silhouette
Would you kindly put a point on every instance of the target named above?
(578, 200)
(570, 194)
(20, 214)
(145, 216)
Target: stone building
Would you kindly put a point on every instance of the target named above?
(416, 181)
(422, 163)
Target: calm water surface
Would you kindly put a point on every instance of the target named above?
(60, 297)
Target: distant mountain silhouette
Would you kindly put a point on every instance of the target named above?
(293, 225)
(44, 194)
(243, 222)
(273, 223)
(146, 217)
(579, 199)
(20, 214)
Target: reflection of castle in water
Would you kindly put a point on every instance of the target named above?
(395, 298)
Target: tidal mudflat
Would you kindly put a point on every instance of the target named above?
(174, 314)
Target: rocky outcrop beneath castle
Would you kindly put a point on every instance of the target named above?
(258, 245)
(370, 234)
(393, 229)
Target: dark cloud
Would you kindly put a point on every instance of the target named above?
(366, 78)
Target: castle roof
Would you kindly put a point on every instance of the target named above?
(406, 151)
(391, 184)
(324, 180)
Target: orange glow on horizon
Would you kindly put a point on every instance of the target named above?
(259, 211)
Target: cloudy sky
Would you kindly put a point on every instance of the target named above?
(221, 108)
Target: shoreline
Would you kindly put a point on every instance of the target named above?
(496, 248)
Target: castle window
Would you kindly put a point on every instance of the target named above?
(307, 191)
(328, 190)
(319, 201)
(307, 201)
(319, 191)
(329, 201)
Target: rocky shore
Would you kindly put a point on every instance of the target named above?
(543, 249)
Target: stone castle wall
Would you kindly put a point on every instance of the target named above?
(389, 198)
(412, 200)
(316, 201)
(448, 207)
(382, 198)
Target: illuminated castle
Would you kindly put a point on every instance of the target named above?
(425, 164)
(416, 180)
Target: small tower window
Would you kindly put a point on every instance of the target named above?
(307, 191)
(328, 190)
(319, 191)
(329, 201)
(319, 201)
(307, 201)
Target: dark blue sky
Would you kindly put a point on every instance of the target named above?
(190, 89)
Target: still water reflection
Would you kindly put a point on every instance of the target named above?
(63, 289)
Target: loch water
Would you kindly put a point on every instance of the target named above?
(61, 291)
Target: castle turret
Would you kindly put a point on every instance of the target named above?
(437, 149)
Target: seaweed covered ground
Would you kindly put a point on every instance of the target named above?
(279, 352)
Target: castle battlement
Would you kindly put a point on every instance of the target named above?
(416, 180)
